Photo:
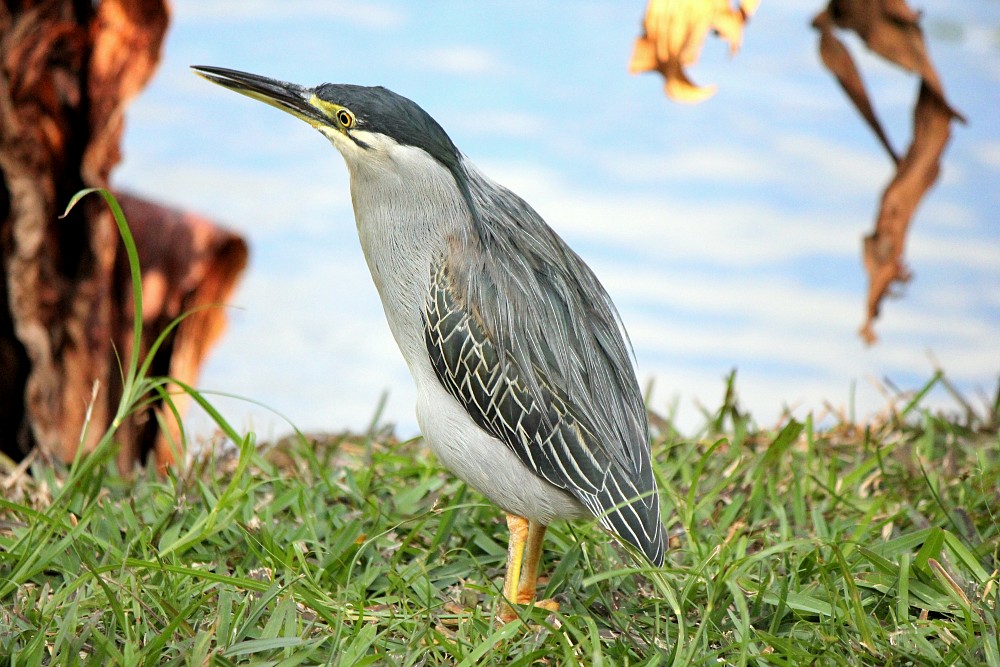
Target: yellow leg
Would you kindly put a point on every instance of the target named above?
(518, 527)
(524, 551)
(533, 554)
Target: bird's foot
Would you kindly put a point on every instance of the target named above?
(548, 604)
(508, 613)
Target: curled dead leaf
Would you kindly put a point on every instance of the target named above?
(892, 30)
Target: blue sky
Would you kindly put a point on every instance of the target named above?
(728, 233)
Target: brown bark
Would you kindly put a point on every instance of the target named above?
(67, 71)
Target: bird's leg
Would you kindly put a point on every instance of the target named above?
(518, 527)
(524, 551)
(532, 556)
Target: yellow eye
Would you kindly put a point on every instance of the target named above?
(345, 118)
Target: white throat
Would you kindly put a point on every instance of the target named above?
(406, 205)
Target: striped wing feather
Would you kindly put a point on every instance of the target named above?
(539, 423)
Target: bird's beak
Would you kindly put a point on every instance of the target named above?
(288, 97)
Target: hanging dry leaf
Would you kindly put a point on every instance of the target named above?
(891, 29)
(915, 174)
(673, 34)
(838, 60)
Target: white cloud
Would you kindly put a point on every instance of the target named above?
(980, 39)
(310, 341)
(946, 215)
(706, 163)
(458, 60)
(817, 158)
(988, 154)
(499, 123)
(298, 197)
(958, 251)
(366, 14)
(733, 232)
(789, 160)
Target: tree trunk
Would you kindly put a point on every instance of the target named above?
(67, 71)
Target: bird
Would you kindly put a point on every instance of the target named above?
(525, 384)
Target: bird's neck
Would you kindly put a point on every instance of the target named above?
(405, 216)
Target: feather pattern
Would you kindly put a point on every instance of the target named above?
(522, 334)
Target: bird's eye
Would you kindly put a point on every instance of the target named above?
(345, 118)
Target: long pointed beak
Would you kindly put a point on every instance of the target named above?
(279, 94)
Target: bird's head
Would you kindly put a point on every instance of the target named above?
(366, 124)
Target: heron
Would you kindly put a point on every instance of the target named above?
(525, 385)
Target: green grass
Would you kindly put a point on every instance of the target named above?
(853, 544)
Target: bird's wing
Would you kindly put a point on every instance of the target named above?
(521, 333)
(545, 434)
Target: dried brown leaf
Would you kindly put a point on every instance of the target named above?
(891, 29)
(674, 32)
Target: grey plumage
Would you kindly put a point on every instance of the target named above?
(512, 341)
(524, 311)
